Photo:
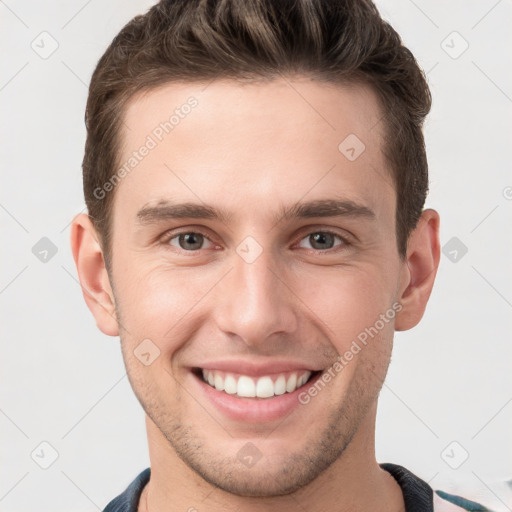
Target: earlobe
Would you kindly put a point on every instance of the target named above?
(92, 274)
(419, 272)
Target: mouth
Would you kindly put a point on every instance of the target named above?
(255, 392)
(261, 387)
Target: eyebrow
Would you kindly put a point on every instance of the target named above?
(166, 210)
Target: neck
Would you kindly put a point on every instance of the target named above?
(353, 482)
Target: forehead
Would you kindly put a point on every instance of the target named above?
(243, 143)
(298, 102)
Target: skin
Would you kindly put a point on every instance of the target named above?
(253, 149)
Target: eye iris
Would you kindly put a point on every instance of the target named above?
(194, 239)
(322, 238)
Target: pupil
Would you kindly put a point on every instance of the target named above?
(322, 238)
(193, 239)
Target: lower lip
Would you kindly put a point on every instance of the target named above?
(254, 410)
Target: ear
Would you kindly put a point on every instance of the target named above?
(419, 271)
(92, 274)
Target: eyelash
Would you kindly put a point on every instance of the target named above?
(171, 235)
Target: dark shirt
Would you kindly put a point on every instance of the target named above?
(418, 495)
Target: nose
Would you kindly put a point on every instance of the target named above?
(255, 303)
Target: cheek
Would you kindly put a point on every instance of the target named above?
(149, 294)
(345, 302)
(156, 302)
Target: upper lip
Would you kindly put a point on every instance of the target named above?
(256, 369)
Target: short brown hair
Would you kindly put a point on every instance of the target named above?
(339, 41)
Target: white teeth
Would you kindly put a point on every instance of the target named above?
(262, 387)
(303, 379)
(230, 384)
(219, 383)
(246, 387)
(265, 387)
(280, 385)
(291, 383)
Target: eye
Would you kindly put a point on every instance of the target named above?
(322, 240)
(193, 241)
(188, 240)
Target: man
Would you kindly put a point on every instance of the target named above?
(255, 176)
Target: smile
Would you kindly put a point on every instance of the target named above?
(253, 392)
(265, 386)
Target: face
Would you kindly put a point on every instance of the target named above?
(253, 244)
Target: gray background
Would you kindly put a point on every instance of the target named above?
(448, 395)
